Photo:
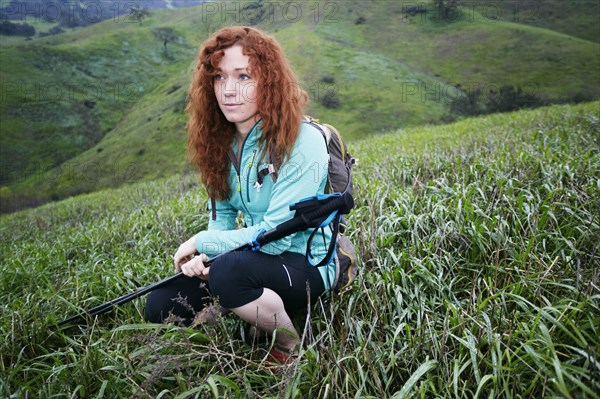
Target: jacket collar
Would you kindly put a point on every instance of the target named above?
(252, 136)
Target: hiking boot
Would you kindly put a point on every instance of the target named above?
(277, 356)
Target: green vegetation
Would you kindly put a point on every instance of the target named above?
(479, 245)
(577, 18)
(100, 106)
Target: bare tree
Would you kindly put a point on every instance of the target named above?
(138, 13)
(166, 35)
(444, 6)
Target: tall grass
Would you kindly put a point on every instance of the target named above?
(479, 278)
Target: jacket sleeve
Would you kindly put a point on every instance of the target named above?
(224, 220)
(299, 177)
(225, 216)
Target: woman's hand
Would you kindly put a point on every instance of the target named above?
(190, 265)
(195, 267)
(185, 252)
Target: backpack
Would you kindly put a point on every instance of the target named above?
(339, 177)
(339, 180)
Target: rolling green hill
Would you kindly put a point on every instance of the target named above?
(578, 18)
(103, 105)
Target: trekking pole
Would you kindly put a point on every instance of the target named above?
(312, 213)
(107, 306)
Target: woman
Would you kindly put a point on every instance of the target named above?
(246, 136)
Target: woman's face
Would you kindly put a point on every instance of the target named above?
(235, 89)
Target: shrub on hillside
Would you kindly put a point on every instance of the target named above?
(468, 105)
(327, 78)
(511, 98)
(413, 10)
(8, 28)
(54, 31)
(330, 100)
(508, 98)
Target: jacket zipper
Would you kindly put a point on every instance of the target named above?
(248, 178)
(237, 166)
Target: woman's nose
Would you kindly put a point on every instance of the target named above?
(230, 87)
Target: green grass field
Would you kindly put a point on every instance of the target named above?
(479, 278)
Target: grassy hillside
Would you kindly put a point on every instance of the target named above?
(476, 51)
(578, 18)
(105, 102)
(479, 262)
(63, 94)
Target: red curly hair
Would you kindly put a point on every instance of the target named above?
(280, 102)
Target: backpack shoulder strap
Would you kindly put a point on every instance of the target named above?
(213, 206)
(270, 169)
(336, 136)
(323, 128)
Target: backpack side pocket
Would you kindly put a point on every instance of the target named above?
(345, 261)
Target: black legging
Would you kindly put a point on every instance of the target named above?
(238, 278)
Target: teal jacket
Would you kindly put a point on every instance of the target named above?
(304, 174)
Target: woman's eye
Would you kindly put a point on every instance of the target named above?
(244, 77)
(219, 77)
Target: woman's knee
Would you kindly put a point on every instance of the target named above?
(219, 278)
(233, 283)
(157, 307)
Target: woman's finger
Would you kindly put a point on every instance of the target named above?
(180, 261)
(204, 275)
(193, 267)
(184, 253)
